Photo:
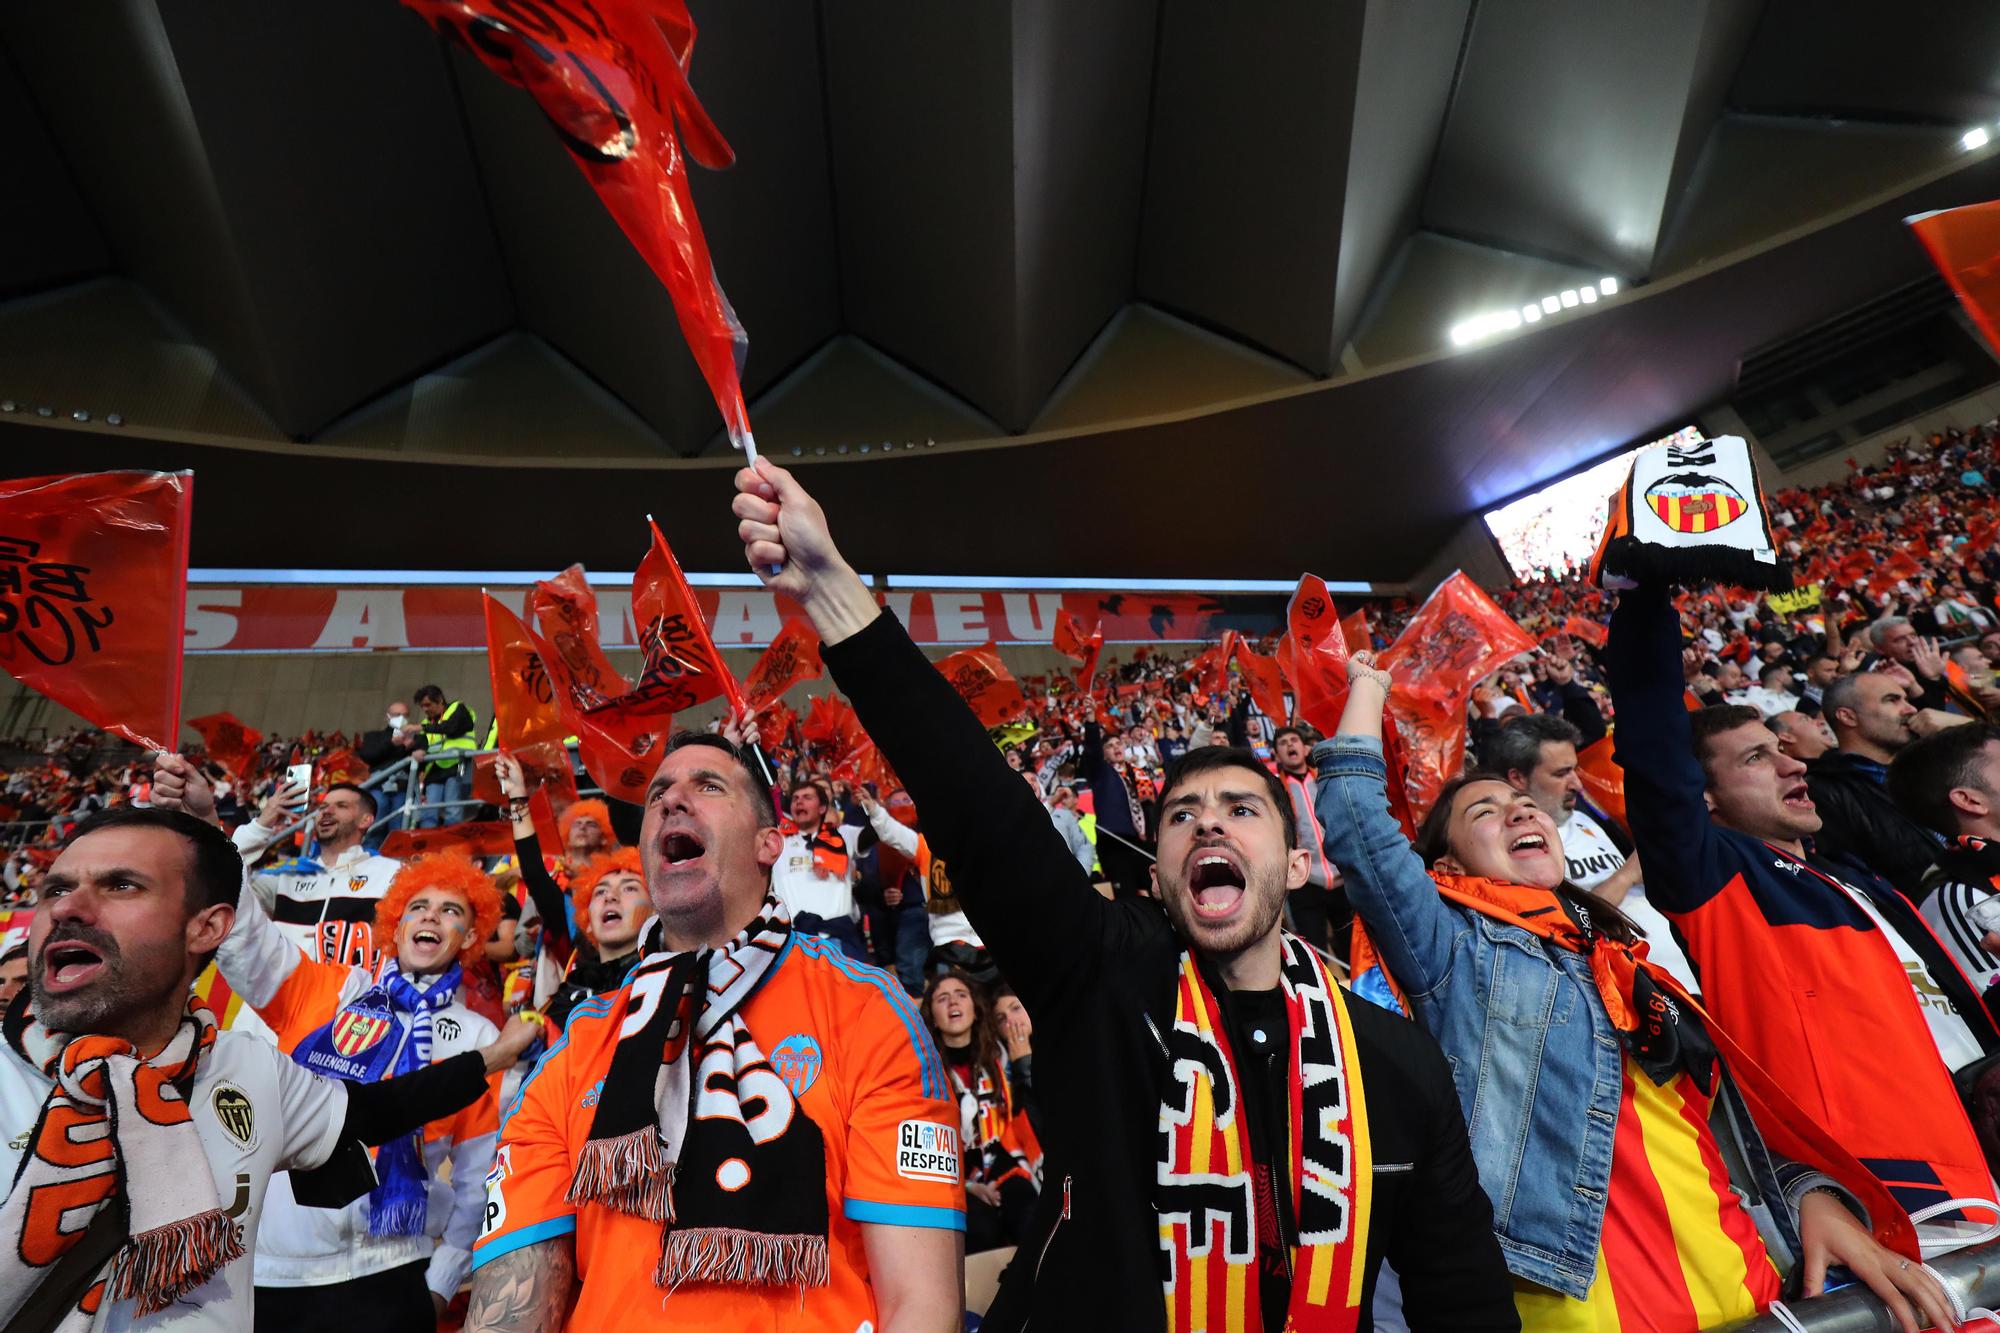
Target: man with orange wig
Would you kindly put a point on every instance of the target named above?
(412, 1234)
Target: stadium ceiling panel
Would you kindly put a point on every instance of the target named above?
(1007, 240)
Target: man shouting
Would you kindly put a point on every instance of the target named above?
(1232, 1142)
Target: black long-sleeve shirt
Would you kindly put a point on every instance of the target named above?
(1095, 974)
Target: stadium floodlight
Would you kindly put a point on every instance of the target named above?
(1608, 286)
(1550, 305)
(1974, 138)
(1569, 298)
(1588, 295)
(1531, 312)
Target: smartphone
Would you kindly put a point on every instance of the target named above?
(300, 776)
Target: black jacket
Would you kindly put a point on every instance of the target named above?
(1094, 974)
(1860, 822)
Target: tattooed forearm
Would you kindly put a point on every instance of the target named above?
(528, 1291)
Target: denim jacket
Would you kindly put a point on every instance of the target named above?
(1534, 1057)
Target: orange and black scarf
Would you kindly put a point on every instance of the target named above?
(828, 848)
(113, 1119)
(1659, 1021)
(1207, 1198)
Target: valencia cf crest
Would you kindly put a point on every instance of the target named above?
(358, 1029)
(234, 1113)
(356, 883)
(1694, 502)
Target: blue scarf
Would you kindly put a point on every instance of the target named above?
(381, 1033)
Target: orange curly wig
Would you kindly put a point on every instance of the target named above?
(580, 888)
(591, 809)
(453, 871)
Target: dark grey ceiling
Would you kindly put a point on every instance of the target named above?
(313, 227)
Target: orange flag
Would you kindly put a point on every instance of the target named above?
(792, 657)
(1264, 680)
(566, 611)
(93, 593)
(1085, 649)
(983, 681)
(228, 742)
(340, 766)
(524, 698)
(493, 838)
(775, 723)
(1354, 629)
(1313, 654)
(830, 722)
(1590, 631)
(671, 626)
(1457, 638)
(1965, 245)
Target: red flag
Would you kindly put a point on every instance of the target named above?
(671, 626)
(1072, 642)
(1265, 681)
(340, 766)
(1457, 638)
(93, 592)
(1354, 629)
(612, 79)
(566, 611)
(524, 698)
(1965, 244)
(983, 681)
(830, 722)
(1590, 631)
(792, 657)
(494, 838)
(775, 723)
(228, 742)
(1313, 654)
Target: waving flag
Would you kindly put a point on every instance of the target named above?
(611, 76)
(1964, 243)
(1264, 680)
(524, 697)
(681, 657)
(984, 682)
(229, 742)
(792, 657)
(93, 593)
(566, 610)
(1085, 649)
(1457, 638)
(1313, 654)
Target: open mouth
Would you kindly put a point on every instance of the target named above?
(1215, 883)
(427, 938)
(682, 849)
(68, 964)
(1528, 844)
(1799, 797)
(611, 916)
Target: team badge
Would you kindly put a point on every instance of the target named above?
(356, 883)
(1695, 502)
(234, 1113)
(797, 1060)
(358, 1029)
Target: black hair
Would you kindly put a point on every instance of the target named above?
(429, 694)
(215, 868)
(1708, 723)
(1290, 729)
(367, 797)
(1208, 757)
(760, 789)
(1923, 773)
(1518, 744)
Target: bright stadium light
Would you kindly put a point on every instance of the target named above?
(1531, 312)
(1550, 305)
(1974, 138)
(1569, 298)
(1608, 286)
(1588, 295)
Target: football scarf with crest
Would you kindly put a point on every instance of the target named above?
(1691, 512)
(1207, 1196)
(696, 1131)
(110, 1119)
(380, 1033)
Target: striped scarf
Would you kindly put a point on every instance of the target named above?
(1208, 1205)
(112, 1118)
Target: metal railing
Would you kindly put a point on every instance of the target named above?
(407, 773)
(1972, 1275)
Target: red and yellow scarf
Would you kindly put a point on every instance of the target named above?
(1208, 1206)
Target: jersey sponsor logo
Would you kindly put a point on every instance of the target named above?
(1583, 867)
(797, 1060)
(496, 1208)
(358, 1029)
(927, 1151)
(234, 1113)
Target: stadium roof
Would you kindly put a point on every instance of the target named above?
(1155, 278)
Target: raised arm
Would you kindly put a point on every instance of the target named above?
(1386, 880)
(1030, 902)
(1670, 823)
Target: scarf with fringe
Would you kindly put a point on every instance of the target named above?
(1208, 1201)
(115, 1119)
(381, 1033)
(696, 1131)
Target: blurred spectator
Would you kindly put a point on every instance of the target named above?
(446, 781)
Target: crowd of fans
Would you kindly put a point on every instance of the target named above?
(1866, 702)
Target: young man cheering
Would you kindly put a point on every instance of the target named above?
(1231, 1142)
